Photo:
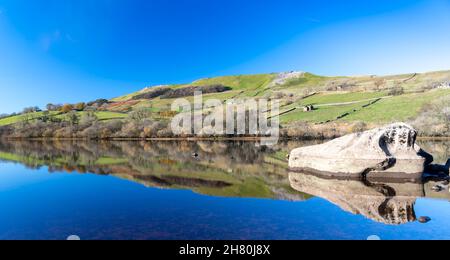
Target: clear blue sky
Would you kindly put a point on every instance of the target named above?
(79, 50)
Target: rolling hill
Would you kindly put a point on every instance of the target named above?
(373, 100)
(330, 95)
(339, 102)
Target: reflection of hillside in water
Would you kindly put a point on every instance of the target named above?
(231, 169)
(234, 169)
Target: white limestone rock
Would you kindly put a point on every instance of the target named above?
(389, 152)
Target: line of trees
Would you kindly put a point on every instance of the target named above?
(66, 108)
(88, 126)
(85, 125)
(98, 104)
(31, 110)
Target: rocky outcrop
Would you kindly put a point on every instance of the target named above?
(284, 77)
(388, 152)
(444, 85)
(391, 204)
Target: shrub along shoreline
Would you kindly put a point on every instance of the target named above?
(142, 130)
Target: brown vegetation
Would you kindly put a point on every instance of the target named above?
(190, 91)
(435, 119)
(396, 91)
(308, 131)
(67, 108)
(152, 94)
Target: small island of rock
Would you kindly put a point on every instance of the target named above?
(388, 152)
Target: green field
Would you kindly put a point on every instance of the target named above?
(386, 110)
(401, 108)
(9, 120)
(106, 115)
(342, 97)
(319, 115)
(15, 119)
(101, 115)
(242, 82)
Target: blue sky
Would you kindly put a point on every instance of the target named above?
(79, 50)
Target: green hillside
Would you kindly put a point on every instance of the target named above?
(101, 115)
(331, 96)
(341, 101)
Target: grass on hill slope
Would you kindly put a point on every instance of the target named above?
(9, 120)
(329, 104)
(399, 108)
(15, 119)
(101, 115)
(106, 115)
(331, 98)
(321, 114)
(242, 82)
(386, 110)
(237, 83)
(308, 80)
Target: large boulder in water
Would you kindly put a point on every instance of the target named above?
(387, 152)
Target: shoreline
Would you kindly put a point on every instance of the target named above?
(431, 138)
(199, 139)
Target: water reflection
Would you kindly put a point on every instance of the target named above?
(391, 203)
(383, 202)
(228, 169)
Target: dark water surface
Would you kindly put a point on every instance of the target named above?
(234, 190)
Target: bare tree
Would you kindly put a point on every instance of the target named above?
(379, 83)
(140, 114)
(73, 118)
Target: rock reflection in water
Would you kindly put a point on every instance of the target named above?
(388, 203)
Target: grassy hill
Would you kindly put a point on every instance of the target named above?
(370, 99)
(339, 102)
(101, 115)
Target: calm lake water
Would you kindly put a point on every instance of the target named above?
(235, 190)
